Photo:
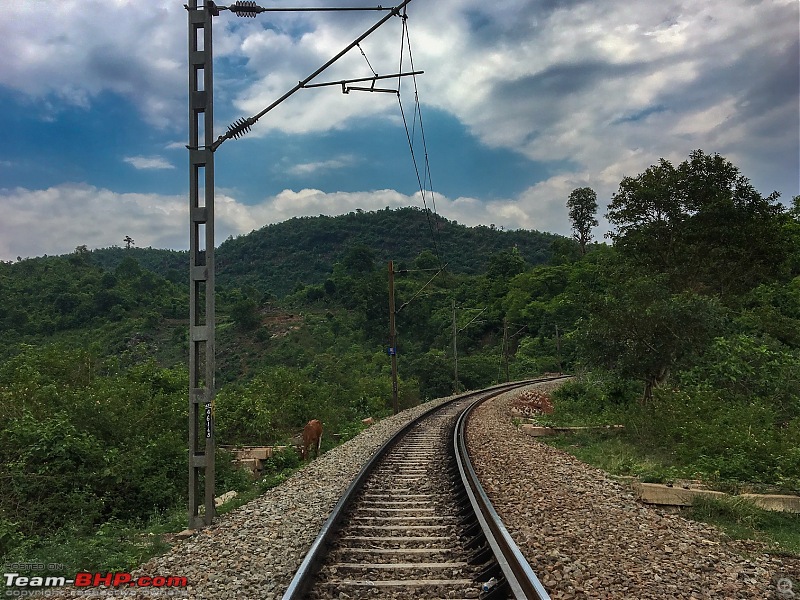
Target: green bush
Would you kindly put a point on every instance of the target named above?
(720, 437)
(227, 476)
(52, 475)
(281, 461)
(86, 442)
(594, 399)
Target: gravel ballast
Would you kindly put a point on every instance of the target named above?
(253, 551)
(586, 536)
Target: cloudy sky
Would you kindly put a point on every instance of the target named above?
(522, 101)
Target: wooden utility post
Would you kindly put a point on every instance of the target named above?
(455, 347)
(505, 345)
(393, 338)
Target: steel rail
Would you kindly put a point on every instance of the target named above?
(519, 575)
(507, 553)
(303, 578)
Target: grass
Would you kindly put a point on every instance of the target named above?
(615, 454)
(737, 517)
(742, 520)
(114, 546)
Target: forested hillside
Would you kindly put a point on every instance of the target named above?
(278, 258)
(685, 330)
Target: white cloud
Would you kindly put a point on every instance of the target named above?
(58, 219)
(54, 221)
(608, 87)
(148, 162)
(602, 85)
(69, 52)
(325, 165)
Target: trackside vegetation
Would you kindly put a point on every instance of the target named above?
(685, 328)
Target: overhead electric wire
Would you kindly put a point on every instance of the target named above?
(369, 64)
(243, 125)
(524, 327)
(405, 41)
(404, 304)
(473, 320)
(427, 176)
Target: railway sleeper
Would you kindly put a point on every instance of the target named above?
(429, 589)
(482, 555)
(472, 529)
(409, 555)
(412, 533)
(476, 542)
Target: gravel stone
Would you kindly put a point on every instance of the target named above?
(254, 551)
(586, 536)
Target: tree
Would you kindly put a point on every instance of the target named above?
(505, 264)
(359, 259)
(582, 205)
(128, 269)
(565, 250)
(245, 313)
(702, 224)
(426, 260)
(80, 256)
(638, 329)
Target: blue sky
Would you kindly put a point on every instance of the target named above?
(522, 101)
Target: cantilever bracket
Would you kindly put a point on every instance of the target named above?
(347, 88)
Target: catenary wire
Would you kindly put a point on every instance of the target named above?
(425, 177)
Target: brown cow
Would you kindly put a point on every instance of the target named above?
(312, 436)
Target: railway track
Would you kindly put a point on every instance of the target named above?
(417, 524)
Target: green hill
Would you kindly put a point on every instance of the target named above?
(302, 251)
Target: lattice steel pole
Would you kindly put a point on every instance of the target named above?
(201, 264)
(201, 226)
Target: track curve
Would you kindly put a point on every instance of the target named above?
(416, 523)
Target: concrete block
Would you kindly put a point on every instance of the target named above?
(656, 493)
(262, 453)
(259, 452)
(776, 502)
(220, 500)
(537, 431)
(186, 533)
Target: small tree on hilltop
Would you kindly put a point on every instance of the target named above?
(582, 205)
